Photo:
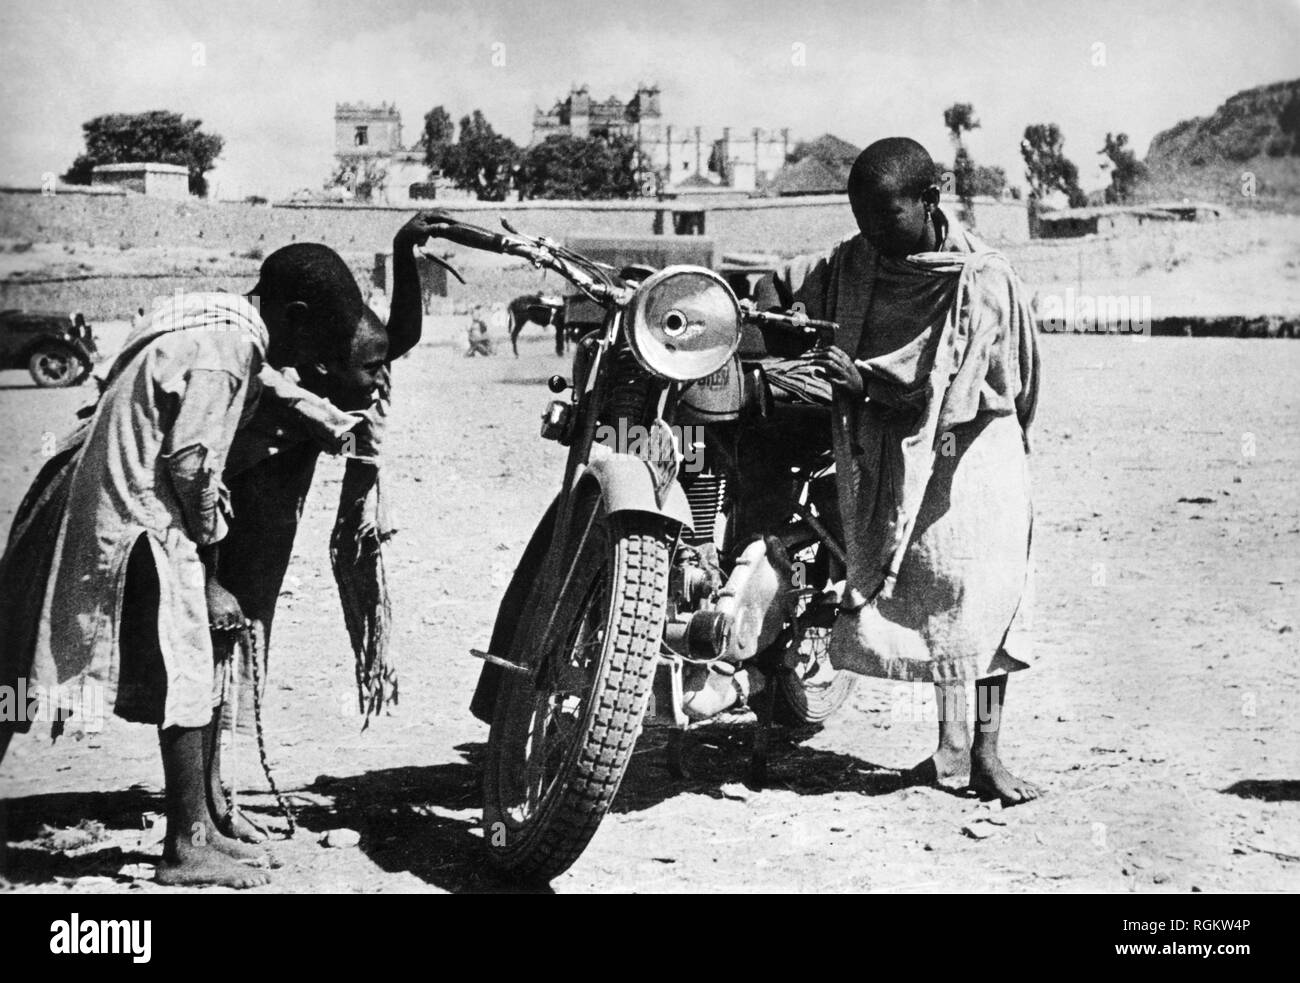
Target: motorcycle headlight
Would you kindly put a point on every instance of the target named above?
(683, 324)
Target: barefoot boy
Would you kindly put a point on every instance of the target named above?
(339, 406)
(935, 374)
(111, 574)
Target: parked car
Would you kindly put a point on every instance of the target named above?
(58, 349)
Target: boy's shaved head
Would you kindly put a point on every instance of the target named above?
(887, 192)
(313, 274)
(898, 163)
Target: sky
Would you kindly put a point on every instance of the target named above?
(265, 75)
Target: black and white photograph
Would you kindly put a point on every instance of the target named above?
(532, 446)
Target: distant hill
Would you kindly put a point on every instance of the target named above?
(1256, 132)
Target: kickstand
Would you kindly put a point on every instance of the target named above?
(677, 753)
(764, 707)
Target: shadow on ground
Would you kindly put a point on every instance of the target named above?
(24, 819)
(1267, 789)
(419, 820)
(426, 821)
(718, 755)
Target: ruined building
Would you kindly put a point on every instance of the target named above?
(673, 156)
(373, 134)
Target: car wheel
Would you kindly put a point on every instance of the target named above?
(53, 366)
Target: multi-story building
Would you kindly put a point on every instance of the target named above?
(671, 155)
(365, 134)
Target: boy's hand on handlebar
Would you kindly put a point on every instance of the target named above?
(422, 225)
(835, 366)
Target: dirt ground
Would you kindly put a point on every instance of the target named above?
(1163, 714)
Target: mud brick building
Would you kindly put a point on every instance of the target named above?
(170, 181)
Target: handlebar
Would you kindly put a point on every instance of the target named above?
(797, 322)
(579, 272)
(473, 237)
(539, 252)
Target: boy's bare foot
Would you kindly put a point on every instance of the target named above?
(198, 865)
(245, 853)
(990, 779)
(951, 758)
(238, 826)
(946, 762)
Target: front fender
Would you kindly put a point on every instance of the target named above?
(627, 486)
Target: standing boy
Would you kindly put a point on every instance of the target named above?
(935, 374)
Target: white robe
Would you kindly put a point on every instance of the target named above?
(932, 466)
(149, 468)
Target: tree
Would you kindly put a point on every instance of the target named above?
(960, 119)
(1126, 171)
(1288, 121)
(439, 131)
(482, 160)
(157, 137)
(576, 167)
(986, 181)
(1047, 169)
(970, 179)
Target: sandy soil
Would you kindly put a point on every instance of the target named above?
(1163, 715)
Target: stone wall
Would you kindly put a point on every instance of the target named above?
(787, 226)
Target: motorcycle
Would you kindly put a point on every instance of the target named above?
(632, 587)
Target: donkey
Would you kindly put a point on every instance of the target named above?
(546, 310)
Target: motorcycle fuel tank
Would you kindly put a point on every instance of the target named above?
(715, 398)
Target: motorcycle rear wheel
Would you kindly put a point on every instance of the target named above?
(812, 689)
(560, 743)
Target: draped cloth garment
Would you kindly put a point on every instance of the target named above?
(932, 464)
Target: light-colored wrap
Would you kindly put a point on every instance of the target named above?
(932, 465)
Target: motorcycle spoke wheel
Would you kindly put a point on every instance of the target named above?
(561, 698)
(810, 689)
(561, 742)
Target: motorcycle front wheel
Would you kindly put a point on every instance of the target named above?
(561, 742)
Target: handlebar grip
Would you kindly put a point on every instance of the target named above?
(473, 237)
(788, 322)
